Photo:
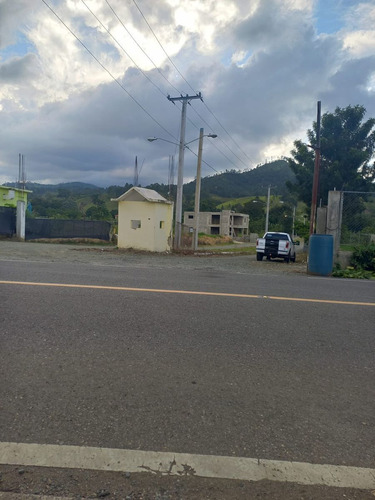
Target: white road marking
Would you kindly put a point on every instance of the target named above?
(182, 464)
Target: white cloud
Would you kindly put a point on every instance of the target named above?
(260, 66)
(360, 43)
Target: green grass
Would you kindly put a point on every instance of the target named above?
(226, 205)
(347, 248)
(235, 250)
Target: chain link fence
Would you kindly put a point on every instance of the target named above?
(357, 218)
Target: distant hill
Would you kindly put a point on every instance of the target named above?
(227, 185)
(76, 187)
(74, 199)
(233, 184)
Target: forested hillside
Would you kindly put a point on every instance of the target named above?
(76, 200)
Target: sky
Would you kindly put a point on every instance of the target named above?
(84, 83)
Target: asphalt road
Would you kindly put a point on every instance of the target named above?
(247, 376)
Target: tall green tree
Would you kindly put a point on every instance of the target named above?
(347, 155)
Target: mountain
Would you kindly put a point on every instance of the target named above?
(76, 187)
(229, 184)
(233, 184)
(74, 199)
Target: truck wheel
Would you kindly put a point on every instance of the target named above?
(293, 259)
(287, 259)
(259, 256)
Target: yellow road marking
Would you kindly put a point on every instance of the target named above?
(188, 292)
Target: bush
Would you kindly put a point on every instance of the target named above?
(350, 272)
(363, 257)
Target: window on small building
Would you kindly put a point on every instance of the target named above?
(215, 219)
(135, 224)
(191, 216)
(215, 230)
(162, 223)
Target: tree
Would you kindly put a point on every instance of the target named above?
(98, 212)
(347, 152)
(256, 210)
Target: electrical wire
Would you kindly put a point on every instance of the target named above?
(139, 46)
(203, 161)
(226, 131)
(182, 76)
(110, 74)
(146, 76)
(224, 143)
(119, 44)
(161, 46)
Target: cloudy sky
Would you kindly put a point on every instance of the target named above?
(83, 83)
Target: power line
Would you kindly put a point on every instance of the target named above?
(225, 144)
(225, 130)
(146, 76)
(185, 80)
(118, 43)
(139, 46)
(161, 46)
(213, 143)
(107, 70)
(203, 161)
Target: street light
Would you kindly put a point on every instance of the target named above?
(178, 216)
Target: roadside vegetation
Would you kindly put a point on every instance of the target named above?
(362, 264)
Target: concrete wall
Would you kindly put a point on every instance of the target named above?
(21, 219)
(321, 220)
(334, 214)
(155, 221)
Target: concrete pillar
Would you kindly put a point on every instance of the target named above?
(321, 220)
(21, 220)
(334, 215)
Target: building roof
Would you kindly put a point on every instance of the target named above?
(142, 194)
(20, 190)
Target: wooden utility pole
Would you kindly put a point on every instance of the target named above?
(180, 175)
(268, 208)
(316, 172)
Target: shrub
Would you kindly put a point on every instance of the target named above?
(363, 257)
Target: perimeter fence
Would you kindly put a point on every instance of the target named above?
(357, 218)
(59, 228)
(7, 221)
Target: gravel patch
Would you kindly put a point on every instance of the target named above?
(225, 260)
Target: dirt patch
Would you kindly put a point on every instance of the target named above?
(211, 241)
(224, 260)
(67, 241)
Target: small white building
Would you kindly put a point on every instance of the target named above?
(144, 220)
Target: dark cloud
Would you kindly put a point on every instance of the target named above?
(349, 85)
(18, 69)
(94, 135)
(271, 24)
(11, 11)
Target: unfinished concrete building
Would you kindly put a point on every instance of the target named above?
(225, 223)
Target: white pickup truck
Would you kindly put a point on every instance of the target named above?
(276, 245)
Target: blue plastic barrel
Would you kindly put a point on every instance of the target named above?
(320, 254)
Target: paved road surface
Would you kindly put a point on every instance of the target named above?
(225, 370)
